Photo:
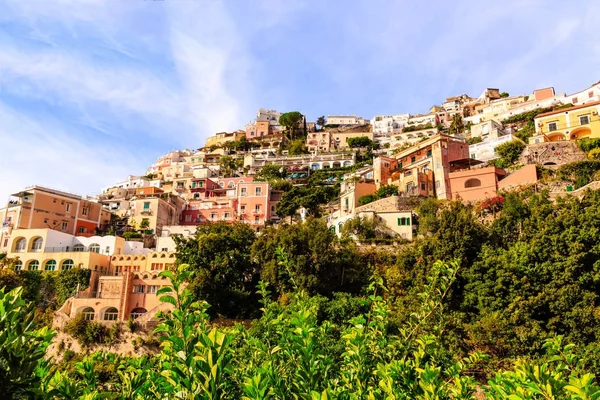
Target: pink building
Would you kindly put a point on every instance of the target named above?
(475, 184)
(257, 203)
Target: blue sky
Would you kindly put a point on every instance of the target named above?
(94, 90)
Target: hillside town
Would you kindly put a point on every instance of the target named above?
(282, 168)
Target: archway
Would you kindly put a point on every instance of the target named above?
(20, 244)
(88, 313)
(110, 314)
(473, 182)
(138, 312)
(581, 133)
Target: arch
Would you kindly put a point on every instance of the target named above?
(154, 255)
(50, 265)
(336, 164)
(171, 255)
(142, 258)
(88, 313)
(94, 248)
(135, 258)
(473, 182)
(145, 276)
(110, 314)
(114, 258)
(36, 244)
(128, 258)
(325, 165)
(138, 312)
(67, 265)
(347, 163)
(33, 265)
(555, 137)
(18, 265)
(549, 163)
(230, 184)
(121, 258)
(581, 133)
(78, 247)
(136, 276)
(20, 245)
(162, 256)
(315, 166)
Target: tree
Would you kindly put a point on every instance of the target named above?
(475, 140)
(272, 172)
(297, 147)
(224, 274)
(365, 228)
(321, 121)
(504, 94)
(366, 199)
(509, 153)
(386, 191)
(291, 121)
(228, 166)
(457, 125)
(361, 141)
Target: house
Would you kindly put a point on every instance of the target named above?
(475, 184)
(571, 123)
(38, 207)
(423, 168)
(151, 209)
(409, 138)
(339, 140)
(486, 150)
(345, 120)
(223, 138)
(588, 95)
(486, 130)
(257, 203)
(319, 141)
(387, 124)
(165, 243)
(383, 167)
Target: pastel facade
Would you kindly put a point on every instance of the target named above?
(222, 138)
(151, 209)
(339, 140)
(345, 120)
(572, 123)
(257, 203)
(165, 243)
(39, 207)
(255, 161)
(588, 95)
(388, 124)
(383, 167)
(405, 139)
(487, 130)
(319, 141)
(486, 150)
(475, 184)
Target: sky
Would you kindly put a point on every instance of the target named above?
(92, 91)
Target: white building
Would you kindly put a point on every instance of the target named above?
(345, 120)
(487, 130)
(588, 95)
(165, 241)
(132, 182)
(485, 151)
(423, 119)
(387, 124)
(405, 139)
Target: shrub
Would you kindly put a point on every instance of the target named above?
(580, 173)
(509, 153)
(588, 144)
(366, 199)
(594, 154)
(132, 235)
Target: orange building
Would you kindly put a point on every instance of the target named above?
(38, 207)
(475, 184)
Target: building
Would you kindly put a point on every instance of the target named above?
(257, 204)
(319, 141)
(339, 140)
(38, 207)
(222, 138)
(571, 123)
(345, 120)
(166, 160)
(165, 242)
(423, 120)
(486, 130)
(589, 95)
(151, 209)
(132, 182)
(486, 150)
(423, 168)
(383, 167)
(475, 184)
(255, 161)
(402, 140)
(128, 291)
(387, 124)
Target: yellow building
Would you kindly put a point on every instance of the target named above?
(224, 137)
(568, 124)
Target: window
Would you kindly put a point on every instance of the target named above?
(138, 288)
(584, 120)
(226, 215)
(34, 265)
(68, 207)
(82, 229)
(5, 242)
(67, 265)
(188, 218)
(111, 314)
(156, 267)
(256, 220)
(244, 191)
(242, 209)
(18, 265)
(473, 182)
(94, 248)
(423, 187)
(84, 211)
(64, 226)
(88, 313)
(50, 265)
(37, 244)
(429, 153)
(21, 245)
(78, 247)
(152, 289)
(552, 126)
(213, 216)
(146, 205)
(574, 100)
(138, 312)
(590, 94)
(413, 159)
(404, 221)
(258, 191)
(257, 208)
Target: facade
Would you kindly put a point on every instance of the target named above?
(387, 124)
(132, 182)
(423, 119)
(486, 150)
(487, 130)
(383, 167)
(475, 184)
(255, 161)
(151, 209)
(423, 168)
(339, 140)
(589, 95)
(38, 207)
(572, 123)
(345, 120)
(401, 140)
(257, 203)
(165, 243)
(222, 138)
(319, 141)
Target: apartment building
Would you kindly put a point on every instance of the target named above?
(588, 95)
(255, 161)
(387, 124)
(423, 168)
(168, 159)
(257, 203)
(38, 207)
(345, 120)
(151, 209)
(486, 150)
(339, 140)
(319, 141)
(165, 242)
(383, 167)
(222, 138)
(402, 140)
(486, 130)
(572, 123)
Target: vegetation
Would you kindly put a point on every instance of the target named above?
(321, 121)
(365, 229)
(588, 144)
(457, 126)
(305, 196)
(580, 173)
(360, 141)
(297, 147)
(504, 94)
(509, 153)
(475, 140)
(291, 122)
(412, 128)
(272, 172)
(381, 193)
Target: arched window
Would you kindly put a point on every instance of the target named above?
(20, 245)
(18, 265)
(66, 265)
(78, 247)
(88, 313)
(138, 312)
(111, 314)
(34, 265)
(94, 248)
(36, 244)
(50, 265)
(473, 182)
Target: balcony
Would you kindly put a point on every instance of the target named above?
(180, 188)
(146, 211)
(257, 212)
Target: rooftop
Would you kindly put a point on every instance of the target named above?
(563, 110)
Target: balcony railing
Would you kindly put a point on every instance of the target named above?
(146, 212)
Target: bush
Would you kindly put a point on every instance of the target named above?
(366, 199)
(580, 173)
(509, 153)
(594, 154)
(132, 235)
(86, 332)
(588, 144)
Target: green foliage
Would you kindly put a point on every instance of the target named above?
(86, 332)
(412, 128)
(22, 347)
(580, 173)
(457, 126)
(228, 166)
(365, 228)
(509, 153)
(504, 94)
(366, 199)
(588, 144)
(272, 172)
(321, 121)
(361, 141)
(381, 193)
(475, 140)
(594, 154)
(219, 256)
(291, 121)
(67, 281)
(307, 197)
(281, 184)
(297, 147)
(132, 235)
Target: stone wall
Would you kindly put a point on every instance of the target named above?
(393, 203)
(552, 153)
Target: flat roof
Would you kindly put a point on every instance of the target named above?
(594, 103)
